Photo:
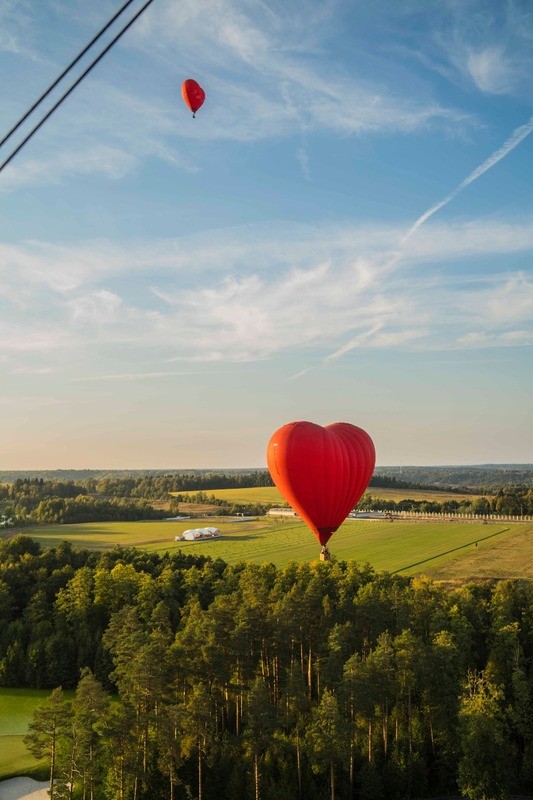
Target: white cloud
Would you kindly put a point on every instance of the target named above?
(523, 337)
(264, 74)
(32, 337)
(31, 371)
(102, 160)
(490, 69)
(243, 294)
(481, 339)
(471, 43)
(130, 376)
(14, 25)
(512, 302)
(99, 307)
(31, 267)
(303, 159)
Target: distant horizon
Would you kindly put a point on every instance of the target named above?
(479, 465)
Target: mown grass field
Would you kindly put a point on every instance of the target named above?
(15, 760)
(445, 549)
(16, 710)
(269, 494)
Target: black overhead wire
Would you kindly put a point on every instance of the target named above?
(67, 69)
(76, 83)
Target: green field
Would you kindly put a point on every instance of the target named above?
(269, 494)
(16, 710)
(403, 545)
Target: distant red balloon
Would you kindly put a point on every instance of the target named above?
(321, 472)
(193, 94)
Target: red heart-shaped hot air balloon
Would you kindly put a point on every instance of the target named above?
(321, 471)
(193, 94)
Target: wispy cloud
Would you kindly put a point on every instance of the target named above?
(102, 160)
(31, 371)
(303, 159)
(15, 20)
(512, 301)
(390, 260)
(477, 45)
(32, 338)
(490, 69)
(255, 296)
(264, 73)
(482, 339)
(99, 307)
(131, 376)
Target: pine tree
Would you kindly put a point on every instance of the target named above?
(484, 769)
(327, 738)
(260, 724)
(90, 707)
(49, 726)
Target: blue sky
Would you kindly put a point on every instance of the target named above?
(345, 232)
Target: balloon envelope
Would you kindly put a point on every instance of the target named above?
(193, 94)
(321, 471)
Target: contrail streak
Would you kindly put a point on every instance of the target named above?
(513, 141)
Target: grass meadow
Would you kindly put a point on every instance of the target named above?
(16, 710)
(446, 550)
(269, 494)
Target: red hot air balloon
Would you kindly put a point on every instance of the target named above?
(193, 94)
(321, 472)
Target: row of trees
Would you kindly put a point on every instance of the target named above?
(486, 479)
(90, 509)
(35, 500)
(83, 508)
(222, 507)
(315, 680)
(153, 487)
(511, 501)
(517, 502)
(29, 492)
(24, 495)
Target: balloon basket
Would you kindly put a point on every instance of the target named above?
(325, 555)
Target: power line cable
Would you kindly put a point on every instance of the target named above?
(65, 72)
(91, 66)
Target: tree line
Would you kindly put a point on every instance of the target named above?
(512, 501)
(35, 500)
(323, 680)
(28, 492)
(516, 501)
(485, 478)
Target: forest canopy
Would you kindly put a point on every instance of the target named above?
(315, 680)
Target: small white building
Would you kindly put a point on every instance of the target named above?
(198, 534)
(282, 512)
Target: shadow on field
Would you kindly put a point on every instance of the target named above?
(453, 550)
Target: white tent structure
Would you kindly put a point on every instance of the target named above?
(198, 534)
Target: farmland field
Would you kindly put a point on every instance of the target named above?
(269, 494)
(446, 549)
